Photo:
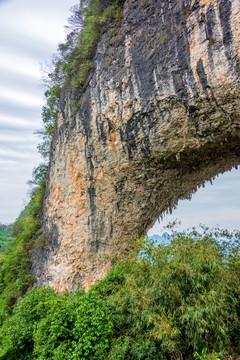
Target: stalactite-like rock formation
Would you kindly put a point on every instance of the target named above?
(159, 116)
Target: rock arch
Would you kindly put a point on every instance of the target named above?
(160, 115)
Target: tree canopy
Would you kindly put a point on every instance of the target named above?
(160, 301)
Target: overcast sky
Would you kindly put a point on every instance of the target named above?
(217, 204)
(30, 31)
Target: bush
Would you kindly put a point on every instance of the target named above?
(175, 301)
(178, 299)
(46, 325)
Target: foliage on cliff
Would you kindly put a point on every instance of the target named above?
(15, 262)
(90, 19)
(74, 61)
(5, 236)
(175, 301)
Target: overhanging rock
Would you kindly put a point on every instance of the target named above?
(159, 116)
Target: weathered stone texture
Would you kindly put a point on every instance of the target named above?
(159, 116)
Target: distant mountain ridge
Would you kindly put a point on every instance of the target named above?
(164, 238)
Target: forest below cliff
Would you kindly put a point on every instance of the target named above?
(160, 301)
(178, 300)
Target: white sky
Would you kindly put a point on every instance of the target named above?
(30, 31)
(216, 204)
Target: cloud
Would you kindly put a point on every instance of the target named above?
(10, 154)
(8, 123)
(26, 46)
(15, 172)
(20, 65)
(29, 33)
(17, 139)
(41, 22)
(20, 98)
(20, 82)
(17, 150)
(2, 2)
(41, 25)
(12, 202)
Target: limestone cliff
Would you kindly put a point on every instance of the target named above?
(160, 115)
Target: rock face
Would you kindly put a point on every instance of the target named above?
(160, 115)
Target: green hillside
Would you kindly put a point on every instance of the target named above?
(5, 236)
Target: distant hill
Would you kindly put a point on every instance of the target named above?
(5, 236)
(164, 238)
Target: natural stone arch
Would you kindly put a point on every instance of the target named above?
(159, 116)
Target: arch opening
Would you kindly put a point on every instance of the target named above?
(216, 203)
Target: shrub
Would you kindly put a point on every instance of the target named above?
(178, 299)
(46, 325)
(174, 301)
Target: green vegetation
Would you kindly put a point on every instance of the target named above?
(175, 301)
(74, 61)
(15, 262)
(5, 236)
(90, 19)
(51, 326)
